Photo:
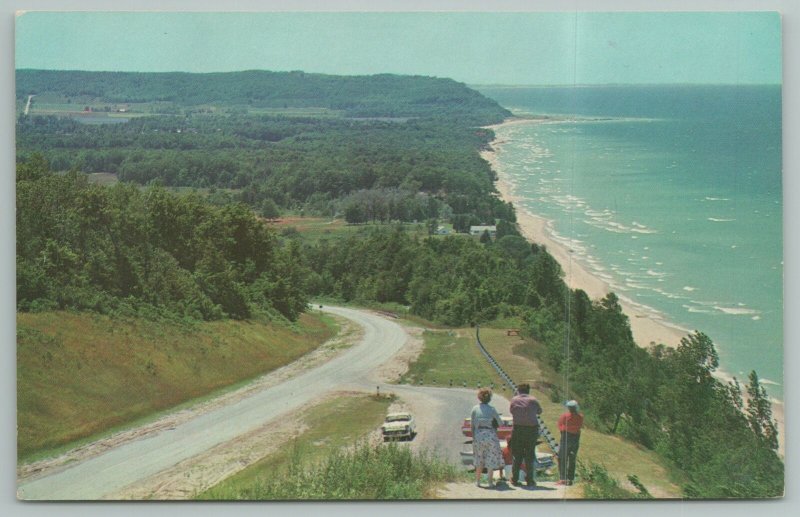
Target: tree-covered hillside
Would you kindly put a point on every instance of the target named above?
(86, 247)
(406, 144)
(382, 95)
(316, 164)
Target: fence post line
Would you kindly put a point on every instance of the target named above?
(543, 430)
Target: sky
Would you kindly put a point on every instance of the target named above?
(475, 48)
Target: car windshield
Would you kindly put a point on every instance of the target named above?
(398, 418)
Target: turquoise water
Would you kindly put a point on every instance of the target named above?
(672, 195)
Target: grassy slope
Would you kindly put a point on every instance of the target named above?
(451, 355)
(81, 374)
(444, 356)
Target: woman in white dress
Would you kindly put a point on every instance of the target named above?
(486, 451)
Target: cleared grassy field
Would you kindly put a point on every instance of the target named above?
(103, 178)
(320, 228)
(79, 375)
(295, 112)
(452, 355)
(58, 105)
(79, 110)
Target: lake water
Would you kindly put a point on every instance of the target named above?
(673, 195)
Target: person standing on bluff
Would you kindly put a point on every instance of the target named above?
(485, 444)
(525, 409)
(569, 424)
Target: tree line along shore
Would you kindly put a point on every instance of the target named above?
(390, 150)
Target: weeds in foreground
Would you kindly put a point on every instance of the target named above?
(598, 484)
(364, 472)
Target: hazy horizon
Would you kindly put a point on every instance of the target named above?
(471, 85)
(486, 49)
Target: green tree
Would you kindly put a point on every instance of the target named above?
(432, 225)
(505, 228)
(759, 412)
(686, 398)
(269, 209)
(546, 281)
(354, 213)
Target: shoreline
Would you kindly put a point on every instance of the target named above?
(647, 326)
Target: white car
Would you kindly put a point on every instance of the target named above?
(399, 426)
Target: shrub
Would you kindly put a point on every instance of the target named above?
(598, 484)
(362, 472)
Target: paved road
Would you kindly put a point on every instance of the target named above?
(28, 105)
(439, 413)
(105, 474)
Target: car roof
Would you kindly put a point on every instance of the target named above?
(398, 415)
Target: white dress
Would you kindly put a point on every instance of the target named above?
(485, 444)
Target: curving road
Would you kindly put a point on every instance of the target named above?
(439, 413)
(106, 474)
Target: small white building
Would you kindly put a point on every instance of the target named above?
(478, 230)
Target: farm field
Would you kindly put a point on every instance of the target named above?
(320, 228)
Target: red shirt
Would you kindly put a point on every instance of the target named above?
(507, 457)
(570, 422)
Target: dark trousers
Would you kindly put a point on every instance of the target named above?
(523, 449)
(568, 455)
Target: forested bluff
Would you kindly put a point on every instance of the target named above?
(382, 149)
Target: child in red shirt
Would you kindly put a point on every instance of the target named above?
(569, 424)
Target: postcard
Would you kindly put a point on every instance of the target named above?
(314, 256)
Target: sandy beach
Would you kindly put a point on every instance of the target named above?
(647, 327)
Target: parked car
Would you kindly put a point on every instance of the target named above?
(503, 432)
(399, 426)
(544, 460)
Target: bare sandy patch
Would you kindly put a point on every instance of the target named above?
(199, 473)
(398, 365)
